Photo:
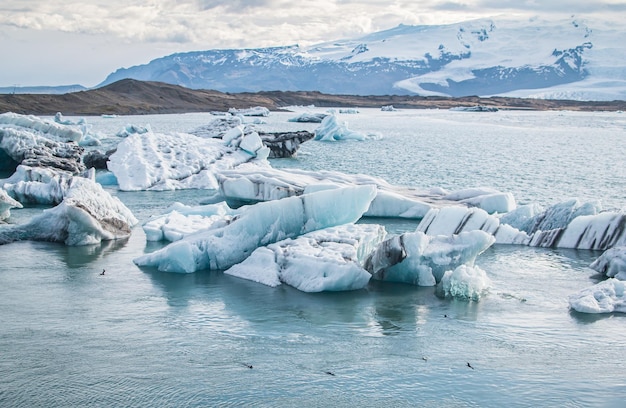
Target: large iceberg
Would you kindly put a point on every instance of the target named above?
(87, 215)
(250, 184)
(326, 260)
(151, 161)
(422, 260)
(259, 225)
(604, 297)
(568, 225)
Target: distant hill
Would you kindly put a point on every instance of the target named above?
(571, 59)
(50, 90)
(132, 97)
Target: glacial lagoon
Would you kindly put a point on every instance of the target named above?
(140, 337)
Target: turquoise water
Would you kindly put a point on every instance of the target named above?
(139, 337)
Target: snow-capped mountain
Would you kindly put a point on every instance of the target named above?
(567, 59)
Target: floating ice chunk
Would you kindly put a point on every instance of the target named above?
(465, 282)
(38, 185)
(151, 161)
(522, 217)
(34, 148)
(254, 111)
(259, 225)
(330, 131)
(612, 263)
(390, 204)
(599, 232)
(604, 297)
(58, 118)
(132, 129)
(182, 220)
(53, 130)
(422, 260)
(6, 203)
(217, 127)
(324, 260)
(488, 199)
(561, 214)
(455, 219)
(309, 117)
(87, 215)
(247, 184)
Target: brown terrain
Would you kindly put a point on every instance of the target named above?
(132, 97)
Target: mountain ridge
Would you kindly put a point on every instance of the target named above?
(485, 57)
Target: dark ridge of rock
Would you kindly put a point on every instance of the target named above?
(132, 97)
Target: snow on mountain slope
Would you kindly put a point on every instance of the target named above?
(566, 59)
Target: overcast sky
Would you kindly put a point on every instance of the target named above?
(62, 42)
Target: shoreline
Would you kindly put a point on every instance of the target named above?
(132, 97)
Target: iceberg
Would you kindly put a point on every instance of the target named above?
(254, 111)
(464, 282)
(247, 184)
(151, 161)
(330, 131)
(324, 260)
(422, 260)
(597, 232)
(53, 130)
(132, 129)
(307, 117)
(281, 144)
(87, 215)
(604, 297)
(490, 200)
(612, 263)
(32, 147)
(456, 219)
(259, 225)
(6, 203)
(38, 185)
(182, 220)
(58, 118)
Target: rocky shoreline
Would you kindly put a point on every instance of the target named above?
(132, 97)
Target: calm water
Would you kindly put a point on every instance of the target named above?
(133, 337)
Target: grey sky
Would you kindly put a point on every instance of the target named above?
(54, 42)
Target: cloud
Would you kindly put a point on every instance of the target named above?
(231, 23)
(119, 28)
